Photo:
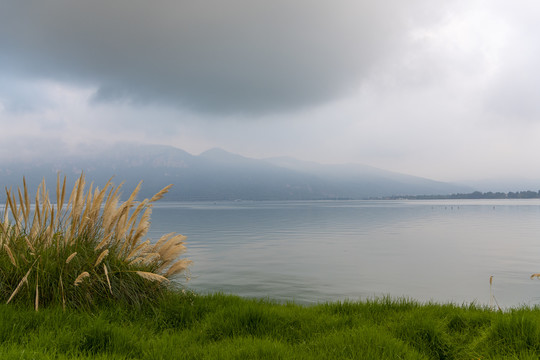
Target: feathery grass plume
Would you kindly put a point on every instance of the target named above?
(23, 281)
(94, 225)
(29, 244)
(81, 277)
(70, 257)
(151, 276)
(103, 242)
(178, 267)
(10, 254)
(59, 196)
(61, 286)
(107, 277)
(14, 210)
(160, 194)
(138, 250)
(101, 257)
(23, 206)
(163, 240)
(37, 292)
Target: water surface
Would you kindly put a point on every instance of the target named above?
(316, 251)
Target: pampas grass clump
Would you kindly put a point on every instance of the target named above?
(86, 252)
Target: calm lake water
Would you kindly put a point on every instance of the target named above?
(317, 251)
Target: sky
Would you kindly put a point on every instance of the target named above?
(448, 90)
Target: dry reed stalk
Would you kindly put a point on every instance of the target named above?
(29, 244)
(138, 250)
(172, 248)
(76, 201)
(85, 221)
(45, 204)
(134, 194)
(151, 276)
(68, 236)
(2, 234)
(150, 258)
(44, 214)
(142, 230)
(60, 196)
(144, 225)
(23, 210)
(61, 285)
(123, 224)
(81, 277)
(104, 242)
(107, 277)
(492, 299)
(110, 209)
(162, 240)
(119, 222)
(121, 216)
(26, 198)
(168, 261)
(146, 259)
(161, 193)
(175, 239)
(58, 205)
(10, 254)
(6, 218)
(37, 292)
(49, 234)
(177, 267)
(98, 201)
(13, 207)
(101, 257)
(34, 229)
(52, 226)
(134, 215)
(38, 212)
(73, 193)
(70, 257)
(136, 260)
(173, 252)
(23, 281)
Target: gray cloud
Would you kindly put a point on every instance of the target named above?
(213, 56)
(514, 90)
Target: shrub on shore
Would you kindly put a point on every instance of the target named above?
(88, 251)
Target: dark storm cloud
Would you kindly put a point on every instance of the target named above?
(213, 56)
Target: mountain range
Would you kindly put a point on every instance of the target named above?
(218, 175)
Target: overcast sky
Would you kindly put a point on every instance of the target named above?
(448, 90)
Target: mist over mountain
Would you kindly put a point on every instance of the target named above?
(219, 175)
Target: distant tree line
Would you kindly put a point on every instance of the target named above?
(474, 195)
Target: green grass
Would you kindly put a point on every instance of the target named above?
(216, 326)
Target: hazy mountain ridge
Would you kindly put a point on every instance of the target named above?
(220, 175)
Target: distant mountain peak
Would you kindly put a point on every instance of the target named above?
(217, 174)
(215, 151)
(218, 154)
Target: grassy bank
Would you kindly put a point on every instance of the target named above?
(186, 326)
(81, 281)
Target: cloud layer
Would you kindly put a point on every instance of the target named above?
(230, 56)
(446, 90)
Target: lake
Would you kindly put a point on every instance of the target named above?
(318, 251)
